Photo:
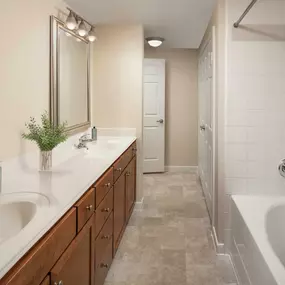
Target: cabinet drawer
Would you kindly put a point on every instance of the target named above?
(34, 267)
(103, 239)
(119, 166)
(119, 209)
(104, 265)
(103, 186)
(122, 163)
(134, 149)
(74, 267)
(103, 211)
(85, 208)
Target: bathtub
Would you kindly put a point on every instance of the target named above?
(257, 242)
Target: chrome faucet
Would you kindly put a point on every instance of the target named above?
(281, 168)
(83, 142)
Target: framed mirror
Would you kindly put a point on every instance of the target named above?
(69, 78)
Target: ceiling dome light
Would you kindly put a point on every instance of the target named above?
(71, 23)
(91, 36)
(155, 41)
(82, 31)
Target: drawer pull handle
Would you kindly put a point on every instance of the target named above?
(108, 185)
(118, 169)
(106, 210)
(89, 208)
(104, 265)
(128, 174)
(59, 283)
(105, 237)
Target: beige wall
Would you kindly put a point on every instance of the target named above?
(181, 104)
(24, 68)
(117, 82)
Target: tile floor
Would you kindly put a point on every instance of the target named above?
(168, 241)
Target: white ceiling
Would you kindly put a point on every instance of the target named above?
(181, 22)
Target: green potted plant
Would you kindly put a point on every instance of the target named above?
(47, 136)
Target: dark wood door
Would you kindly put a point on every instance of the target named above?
(130, 187)
(119, 209)
(76, 265)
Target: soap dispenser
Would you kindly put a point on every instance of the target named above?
(94, 134)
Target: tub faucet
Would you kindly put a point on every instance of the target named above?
(281, 168)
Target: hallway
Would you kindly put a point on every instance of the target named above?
(168, 241)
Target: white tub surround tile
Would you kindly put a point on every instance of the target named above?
(73, 172)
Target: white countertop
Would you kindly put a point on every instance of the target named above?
(74, 171)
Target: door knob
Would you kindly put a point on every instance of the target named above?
(160, 121)
(202, 128)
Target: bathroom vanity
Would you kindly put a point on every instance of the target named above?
(79, 247)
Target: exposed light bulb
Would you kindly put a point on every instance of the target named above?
(71, 23)
(91, 36)
(82, 31)
(155, 41)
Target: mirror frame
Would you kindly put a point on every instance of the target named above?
(55, 25)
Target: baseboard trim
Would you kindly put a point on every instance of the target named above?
(219, 247)
(139, 204)
(188, 169)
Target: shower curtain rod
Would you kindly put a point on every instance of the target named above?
(236, 24)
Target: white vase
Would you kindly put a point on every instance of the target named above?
(45, 160)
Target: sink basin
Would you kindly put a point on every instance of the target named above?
(14, 217)
(17, 211)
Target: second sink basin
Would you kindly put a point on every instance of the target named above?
(14, 217)
(17, 211)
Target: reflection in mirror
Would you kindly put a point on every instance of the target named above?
(73, 103)
(69, 77)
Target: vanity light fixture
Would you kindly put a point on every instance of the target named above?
(155, 41)
(76, 23)
(71, 22)
(82, 31)
(91, 35)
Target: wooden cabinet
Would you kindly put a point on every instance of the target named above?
(104, 210)
(80, 248)
(103, 240)
(46, 281)
(104, 184)
(130, 188)
(34, 267)
(85, 208)
(75, 266)
(104, 265)
(119, 209)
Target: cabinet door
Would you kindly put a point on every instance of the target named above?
(130, 187)
(119, 209)
(76, 264)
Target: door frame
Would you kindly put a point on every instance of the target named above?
(212, 38)
(161, 61)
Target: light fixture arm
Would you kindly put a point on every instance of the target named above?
(78, 17)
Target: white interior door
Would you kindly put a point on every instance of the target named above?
(206, 123)
(154, 115)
